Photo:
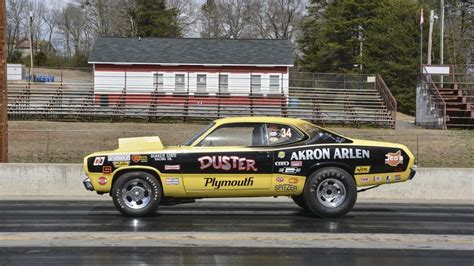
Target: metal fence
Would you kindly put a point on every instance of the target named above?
(322, 98)
(433, 149)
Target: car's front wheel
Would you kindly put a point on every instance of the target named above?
(330, 192)
(137, 194)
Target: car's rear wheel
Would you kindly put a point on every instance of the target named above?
(330, 192)
(137, 194)
(299, 200)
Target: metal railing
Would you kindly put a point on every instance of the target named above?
(330, 99)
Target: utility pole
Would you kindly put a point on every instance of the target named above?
(30, 24)
(422, 20)
(430, 37)
(441, 41)
(3, 88)
(441, 38)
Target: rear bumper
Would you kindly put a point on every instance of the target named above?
(87, 184)
(412, 172)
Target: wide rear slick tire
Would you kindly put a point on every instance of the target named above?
(137, 194)
(330, 192)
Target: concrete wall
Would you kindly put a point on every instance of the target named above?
(42, 180)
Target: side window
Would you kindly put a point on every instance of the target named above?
(278, 134)
(236, 135)
(179, 82)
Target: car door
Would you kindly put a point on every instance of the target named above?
(232, 160)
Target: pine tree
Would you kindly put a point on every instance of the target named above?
(154, 19)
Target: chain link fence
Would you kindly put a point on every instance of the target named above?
(435, 149)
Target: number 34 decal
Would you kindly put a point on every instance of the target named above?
(285, 132)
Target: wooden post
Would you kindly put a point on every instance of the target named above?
(3, 89)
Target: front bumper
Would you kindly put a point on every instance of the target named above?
(87, 184)
(412, 172)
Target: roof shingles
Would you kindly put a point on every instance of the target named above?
(192, 51)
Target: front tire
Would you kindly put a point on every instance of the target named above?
(299, 200)
(137, 194)
(330, 192)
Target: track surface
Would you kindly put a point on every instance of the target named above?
(232, 218)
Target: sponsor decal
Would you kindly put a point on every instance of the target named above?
(388, 178)
(119, 157)
(280, 179)
(172, 167)
(364, 179)
(216, 184)
(99, 161)
(394, 159)
(227, 163)
(293, 180)
(285, 187)
(172, 181)
(289, 170)
(273, 134)
(163, 156)
(139, 158)
(325, 154)
(362, 169)
(377, 178)
(120, 164)
(398, 177)
(281, 154)
(282, 163)
(106, 170)
(297, 163)
(102, 180)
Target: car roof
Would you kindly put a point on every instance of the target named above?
(260, 119)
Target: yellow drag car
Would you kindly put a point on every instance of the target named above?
(247, 157)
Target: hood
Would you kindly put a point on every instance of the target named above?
(140, 143)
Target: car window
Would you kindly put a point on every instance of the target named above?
(236, 135)
(199, 134)
(321, 136)
(278, 134)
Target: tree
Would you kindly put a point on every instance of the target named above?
(154, 19)
(389, 32)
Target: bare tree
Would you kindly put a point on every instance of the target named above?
(187, 15)
(15, 11)
(277, 19)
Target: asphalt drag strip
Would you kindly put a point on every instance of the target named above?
(237, 233)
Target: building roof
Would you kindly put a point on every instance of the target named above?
(192, 51)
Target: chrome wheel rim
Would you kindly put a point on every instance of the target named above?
(136, 194)
(331, 193)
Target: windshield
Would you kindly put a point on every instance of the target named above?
(318, 135)
(195, 137)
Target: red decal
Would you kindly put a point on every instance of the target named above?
(102, 180)
(279, 179)
(107, 170)
(227, 163)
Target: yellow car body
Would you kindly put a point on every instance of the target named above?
(277, 161)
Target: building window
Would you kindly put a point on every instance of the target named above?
(201, 83)
(274, 84)
(179, 82)
(223, 83)
(256, 83)
(158, 81)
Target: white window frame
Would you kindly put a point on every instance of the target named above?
(159, 86)
(274, 88)
(223, 87)
(255, 87)
(181, 87)
(201, 87)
